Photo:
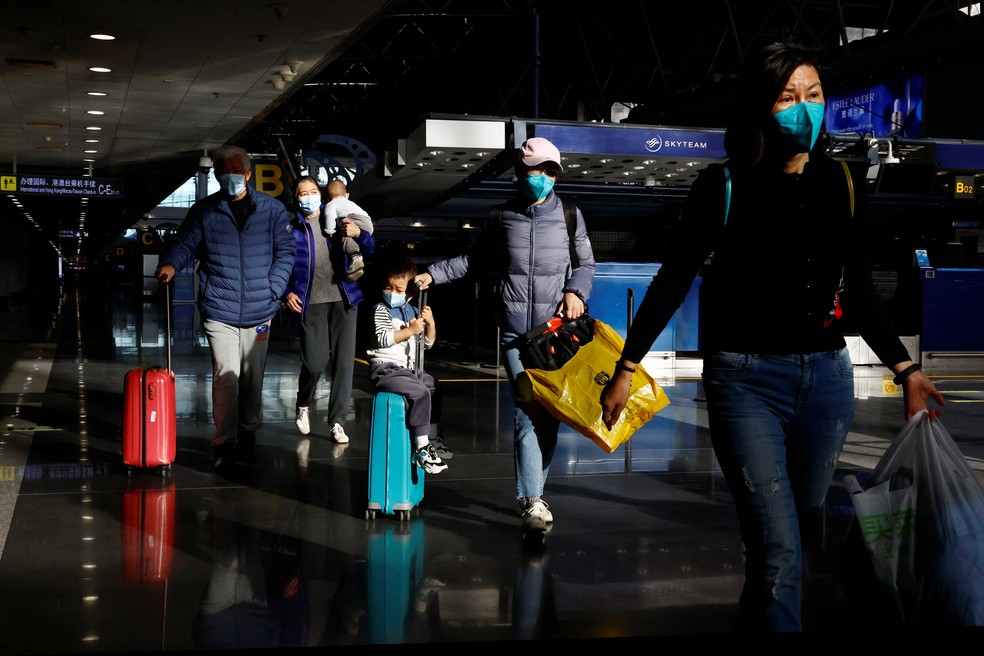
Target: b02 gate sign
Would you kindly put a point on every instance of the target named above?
(54, 185)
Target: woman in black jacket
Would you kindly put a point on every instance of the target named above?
(777, 375)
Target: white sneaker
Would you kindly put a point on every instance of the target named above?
(356, 267)
(535, 513)
(428, 460)
(303, 420)
(338, 434)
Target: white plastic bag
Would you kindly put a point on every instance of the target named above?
(922, 520)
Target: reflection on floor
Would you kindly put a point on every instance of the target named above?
(279, 554)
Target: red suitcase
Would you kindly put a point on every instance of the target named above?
(149, 431)
(148, 531)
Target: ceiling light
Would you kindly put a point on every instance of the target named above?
(93, 128)
(102, 37)
(92, 141)
(90, 152)
(88, 159)
(94, 112)
(100, 69)
(95, 93)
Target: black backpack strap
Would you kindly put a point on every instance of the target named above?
(570, 216)
(495, 215)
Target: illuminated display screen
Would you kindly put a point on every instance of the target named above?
(883, 110)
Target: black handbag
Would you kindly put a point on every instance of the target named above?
(551, 344)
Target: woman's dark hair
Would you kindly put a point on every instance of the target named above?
(305, 178)
(750, 130)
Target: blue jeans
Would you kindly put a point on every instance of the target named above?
(778, 423)
(535, 436)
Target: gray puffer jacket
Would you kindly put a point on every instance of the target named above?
(529, 252)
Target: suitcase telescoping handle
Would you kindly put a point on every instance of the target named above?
(422, 301)
(167, 323)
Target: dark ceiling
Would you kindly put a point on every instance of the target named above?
(377, 79)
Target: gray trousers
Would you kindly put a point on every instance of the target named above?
(423, 396)
(328, 342)
(238, 361)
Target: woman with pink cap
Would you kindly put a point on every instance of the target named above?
(529, 249)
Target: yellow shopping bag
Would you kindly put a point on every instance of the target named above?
(572, 393)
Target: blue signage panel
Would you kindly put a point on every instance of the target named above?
(882, 110)
(611, 139)
(61, 185)
(964, 155)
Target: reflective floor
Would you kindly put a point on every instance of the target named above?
(279, 555)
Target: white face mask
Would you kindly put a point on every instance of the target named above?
(395, 299)
(232, 184)
(309, 204)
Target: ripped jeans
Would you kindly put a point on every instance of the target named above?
(778, 423)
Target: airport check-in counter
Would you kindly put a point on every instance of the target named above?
(952, 319)
(619, 288)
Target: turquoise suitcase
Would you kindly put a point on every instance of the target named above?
(396, 485)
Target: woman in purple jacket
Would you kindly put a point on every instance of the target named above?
(327, 305)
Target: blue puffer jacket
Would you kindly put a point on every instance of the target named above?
(303, 272)
(530, 253)
(241, 274)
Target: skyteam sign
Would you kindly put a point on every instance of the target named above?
(618, 139)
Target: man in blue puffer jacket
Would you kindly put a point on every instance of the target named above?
(241, 239)
(530, 249)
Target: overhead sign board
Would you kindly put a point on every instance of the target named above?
(61, 185)
(639, 141)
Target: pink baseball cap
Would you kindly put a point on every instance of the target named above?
(538, 150)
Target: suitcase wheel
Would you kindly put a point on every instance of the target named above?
(370, 514)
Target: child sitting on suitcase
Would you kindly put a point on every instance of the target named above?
(394, 366)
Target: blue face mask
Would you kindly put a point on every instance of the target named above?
(309, 204)
(537, 186)
(232, 184)
(394, 299)
(800, 124)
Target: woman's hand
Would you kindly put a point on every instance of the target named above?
(916, 389)
(294, 303)
(423, 280)
(615, 396)
(349, 229)
(571, 306)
